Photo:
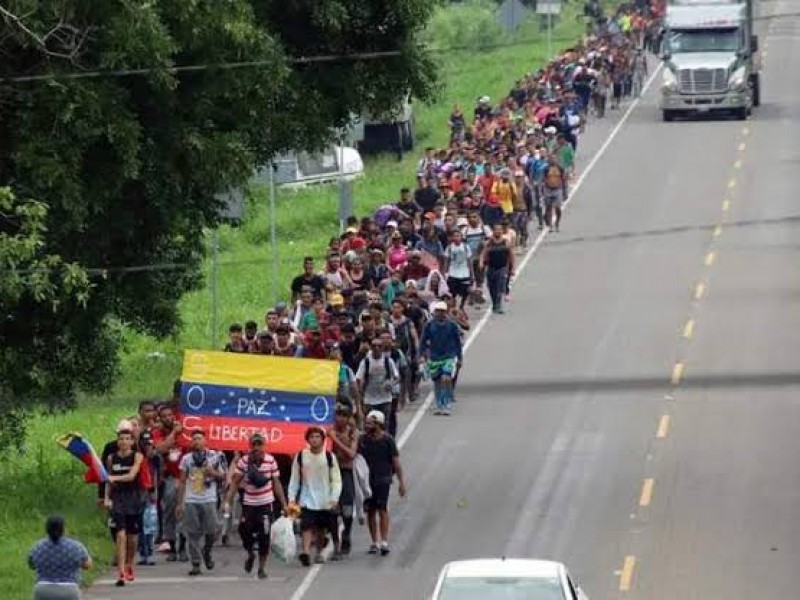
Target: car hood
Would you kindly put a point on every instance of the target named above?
(703, 60)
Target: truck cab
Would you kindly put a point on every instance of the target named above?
(709, 53)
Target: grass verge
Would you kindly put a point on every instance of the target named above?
(45, 480)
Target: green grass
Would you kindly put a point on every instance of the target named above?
(46, 480)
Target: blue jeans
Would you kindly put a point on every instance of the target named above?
(441, 372)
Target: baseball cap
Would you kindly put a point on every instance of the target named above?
(391, 224)
(377, 416)
(439, 305)
(336, 300)
(351, 230)
(124, 425)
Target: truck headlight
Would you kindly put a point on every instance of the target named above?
(670, 82)
(738, 79)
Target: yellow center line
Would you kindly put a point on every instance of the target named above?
(726, 205)
(647, 492)
(677, 373)
(737, 164)
(717, 231)
(709, 260)
(663, 427)
(699, 290)
(626, 576)
(688, 329)
(742, 146)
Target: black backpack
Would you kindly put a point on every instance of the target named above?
(254, 475)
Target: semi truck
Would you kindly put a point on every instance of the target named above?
(710, 55)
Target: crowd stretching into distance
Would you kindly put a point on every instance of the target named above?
(390, 302)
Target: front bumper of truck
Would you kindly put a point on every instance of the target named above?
(730, 100)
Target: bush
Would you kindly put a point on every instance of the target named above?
(471, 24)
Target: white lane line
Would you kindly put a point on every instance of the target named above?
(308, 580)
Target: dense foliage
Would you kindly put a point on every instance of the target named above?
(123, 168)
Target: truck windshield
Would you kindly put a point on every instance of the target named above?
(704, 40)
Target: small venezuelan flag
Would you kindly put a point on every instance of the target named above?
(75, 444)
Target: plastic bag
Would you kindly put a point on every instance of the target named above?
(282, 540)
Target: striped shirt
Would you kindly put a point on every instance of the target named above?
(258, 496)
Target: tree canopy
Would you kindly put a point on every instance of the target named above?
(121, 169)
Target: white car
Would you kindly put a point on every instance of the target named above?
(506, 579)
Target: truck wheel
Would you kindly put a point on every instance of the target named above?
(755, 84)
(668, 115)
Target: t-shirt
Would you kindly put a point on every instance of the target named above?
(58, 563)
(379, 454)
(199, 488)
(475, 236)
(315, 282)
(377, 390)
(172, 457)
(459, 257)
(258, 496)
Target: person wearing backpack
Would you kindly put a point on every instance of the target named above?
(315, 485)
(377, 377)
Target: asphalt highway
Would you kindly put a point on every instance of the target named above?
(634, 413)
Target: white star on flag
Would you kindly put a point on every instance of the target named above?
(287, 419)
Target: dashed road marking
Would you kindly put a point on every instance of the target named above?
(737, 165)
(647, 492)
(688, 329)
(699, 290)
(626, 575)
(677, 373)
(663, 427)
(732, 184)
(742, 146)
(717, 231)
(745, 130)
(726, 205)
(709, 259)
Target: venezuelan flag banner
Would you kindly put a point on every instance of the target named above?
(80, 448)
(231, 396)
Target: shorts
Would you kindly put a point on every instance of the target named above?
(127, 523)
(553, 197)
(318, 520)
(444, 367)
(459, 287)
(380, 496)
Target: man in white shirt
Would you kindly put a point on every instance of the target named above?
(377, 376)
(315, 485)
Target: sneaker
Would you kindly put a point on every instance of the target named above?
(262, 574)
(336, 556)
(195, 571)
(129, 575)
(224, 540)
(385, 545)
(151, 561)
(305, 559)
(249, 562)
(373, 549)
(319, 559)
(141, 562)
(446, 413)
(346, 545)
(436, 411)
(208, 560)
(120, 580)
(172, 557)
(183, 557)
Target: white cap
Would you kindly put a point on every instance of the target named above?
(377, 416)
(124, 425)
(391, 224)
(439, 305)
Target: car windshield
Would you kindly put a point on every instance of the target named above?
(704, 40)
(501, 588)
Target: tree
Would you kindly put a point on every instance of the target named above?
(127, 166)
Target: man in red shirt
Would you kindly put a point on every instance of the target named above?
(167, 441)
(262, 485)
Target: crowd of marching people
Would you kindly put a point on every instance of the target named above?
(390, 303)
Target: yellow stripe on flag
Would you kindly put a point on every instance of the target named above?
(303, 375)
